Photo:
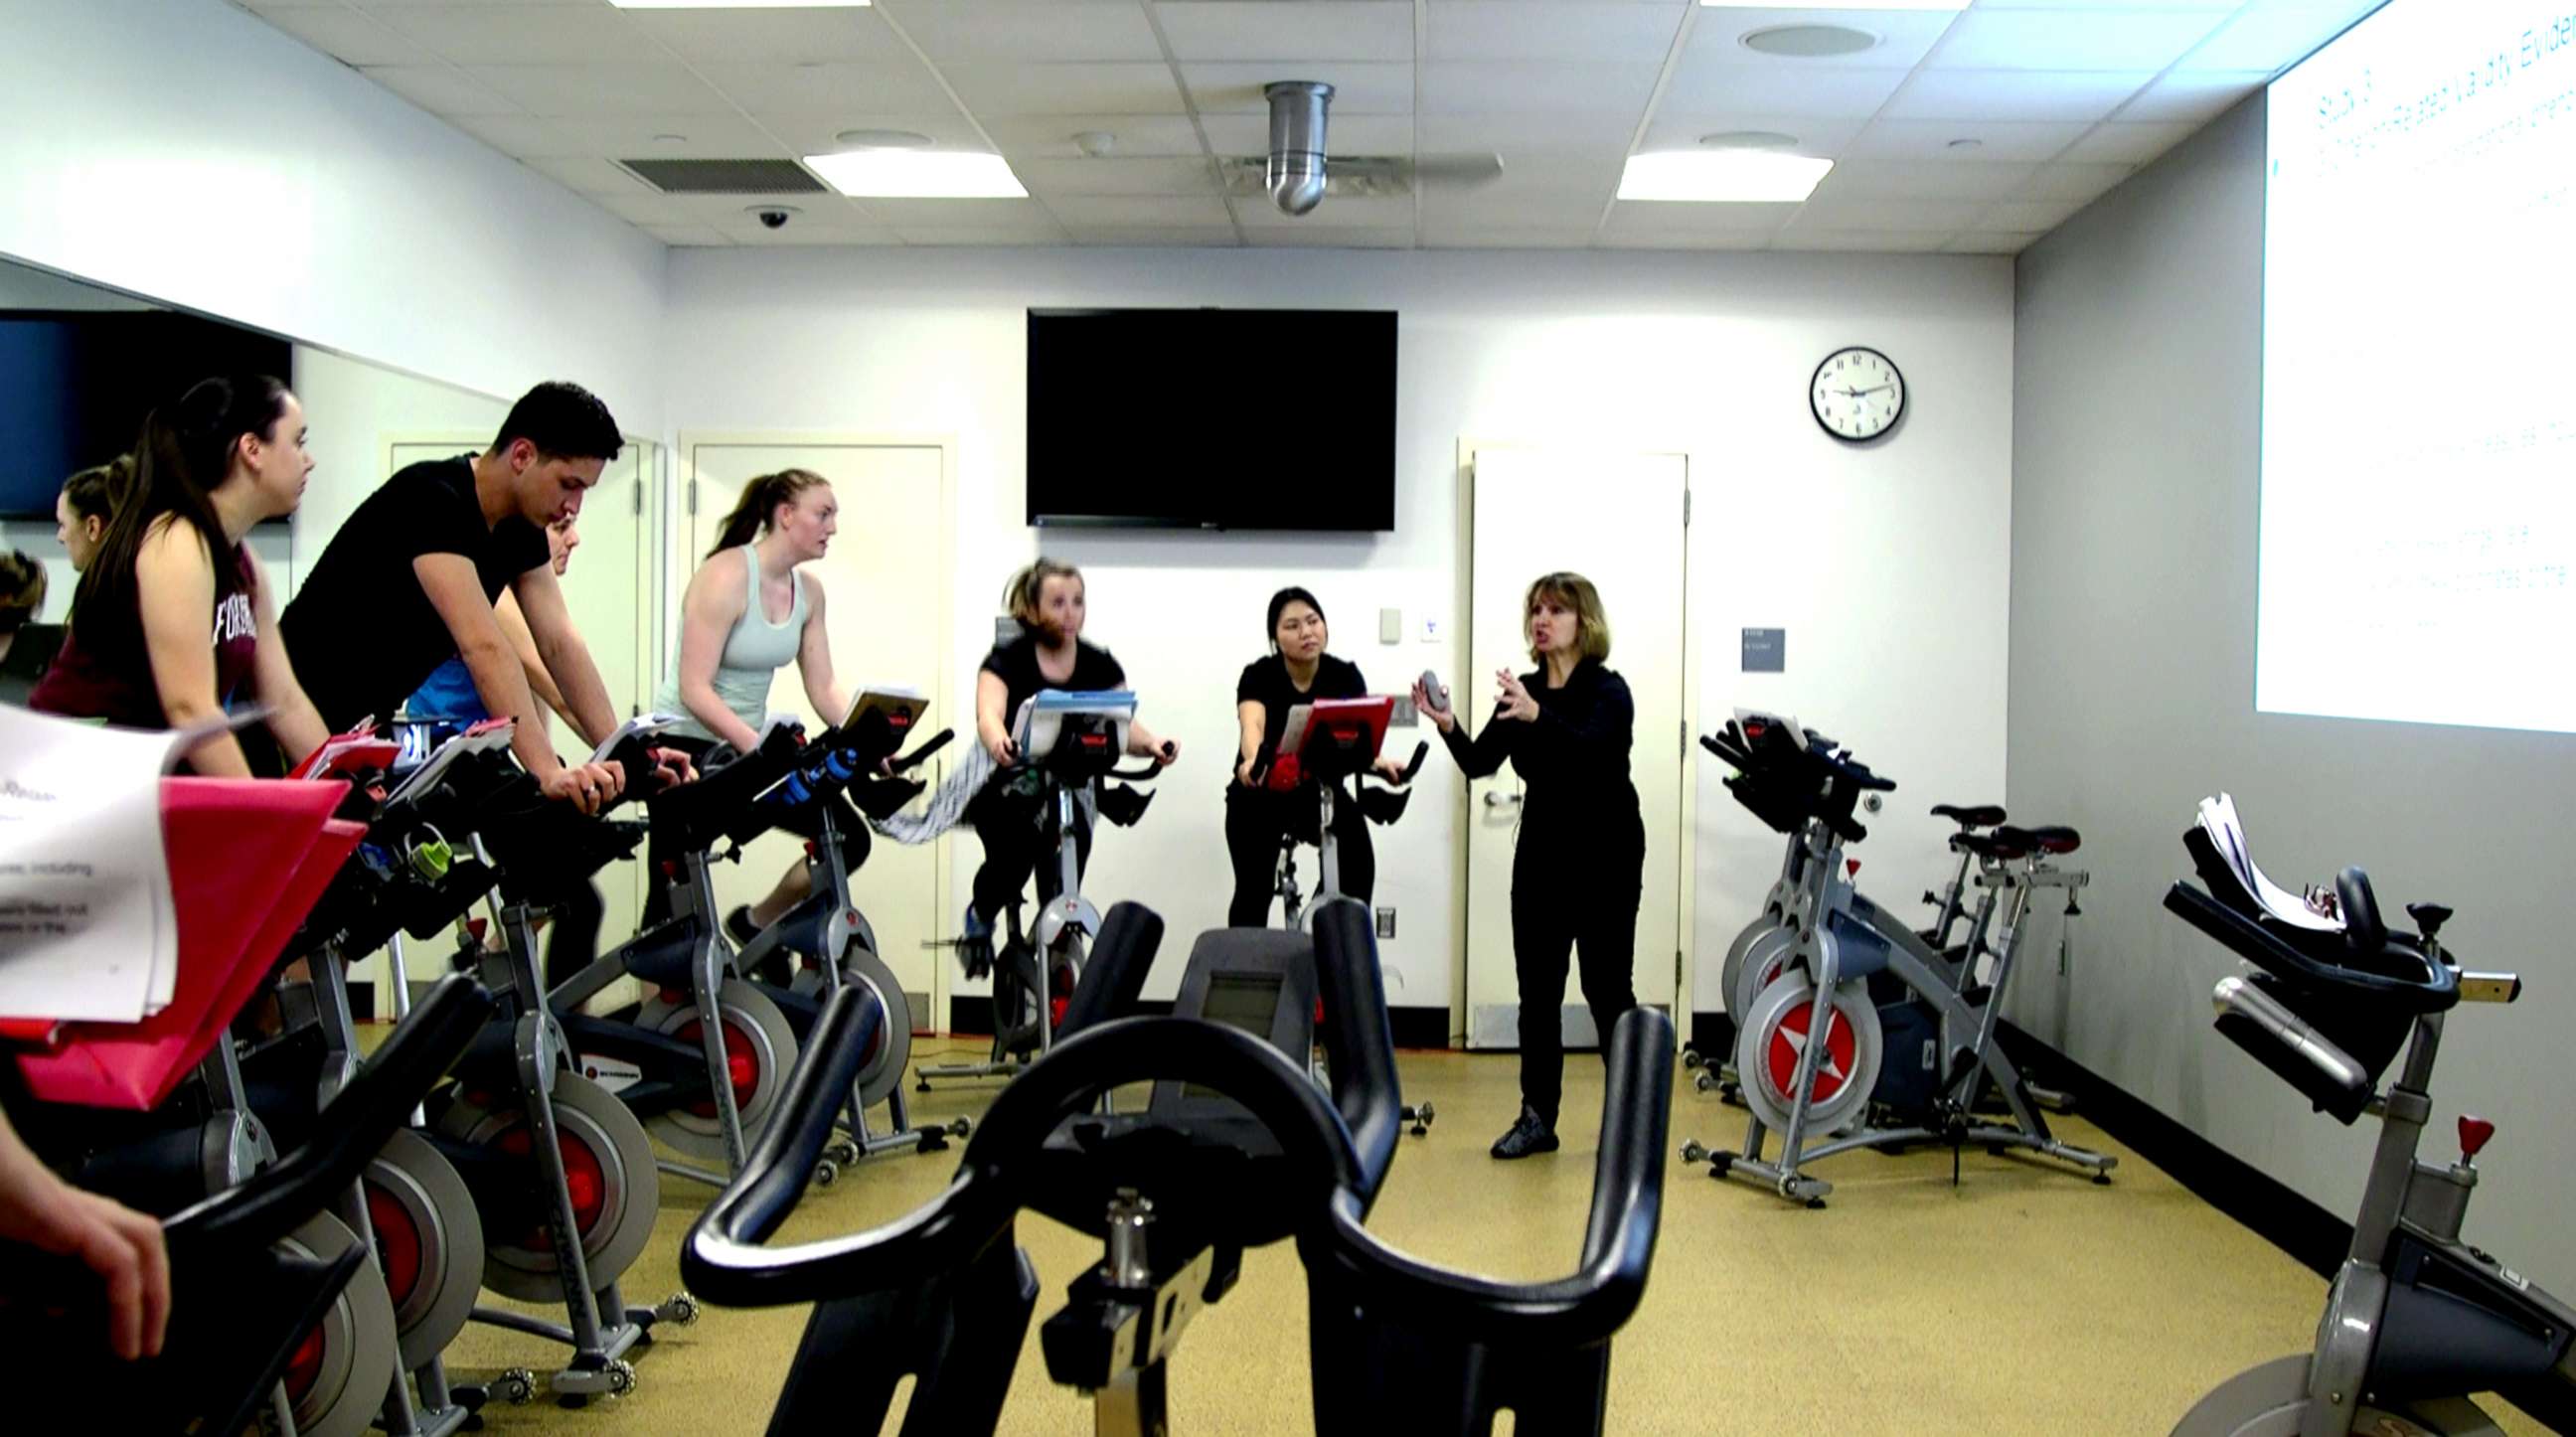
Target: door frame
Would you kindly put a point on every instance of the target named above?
(1686, 895)
(679, 560)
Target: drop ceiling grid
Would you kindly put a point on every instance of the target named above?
(2067, 96)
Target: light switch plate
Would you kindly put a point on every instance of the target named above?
(1390, 626)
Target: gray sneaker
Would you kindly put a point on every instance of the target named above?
(1531, 1134)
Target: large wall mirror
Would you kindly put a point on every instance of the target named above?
(80, 363)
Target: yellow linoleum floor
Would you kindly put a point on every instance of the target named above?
(2024, 1300)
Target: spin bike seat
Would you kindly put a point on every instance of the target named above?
(1981, 815)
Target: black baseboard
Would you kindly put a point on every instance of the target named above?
(1713, 1034)
(1412, 1027)
(2288, 1220)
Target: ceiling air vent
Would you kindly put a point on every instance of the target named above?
(725, 177)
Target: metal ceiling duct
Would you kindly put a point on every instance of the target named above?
(1295, 175)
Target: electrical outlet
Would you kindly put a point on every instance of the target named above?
(1386, 923)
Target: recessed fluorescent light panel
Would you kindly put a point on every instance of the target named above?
(1838, 5)
(918, 175)
(738, 4)
(1721, 176)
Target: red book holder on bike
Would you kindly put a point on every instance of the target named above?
(248, 859)
(1340, 737)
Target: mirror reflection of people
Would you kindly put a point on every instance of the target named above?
(22, 596)
(1298, 670)
(1578, 861)
(174, 622)
(88, 501)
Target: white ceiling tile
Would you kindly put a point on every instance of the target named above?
(1246, 134)
(752, 235)
(441, 90)
(1049, 30)
(344, 34)
(2025, 95)
(768, 87)
(2029, 216)
(1455, 87)
(721, 36)
(457, 4)
(523, 34)
(2194, 96)
(1627, 217)
(1911, 179)
(1333, 237)
(1904, 37)
(1805, 241)
(1287, 30)
(1360, 87)
(1005, 88)
(1780, 90)
(2075, 182)
(1989, 242)
(1115, 176)
(1675, 129)
(2060, 40)
(1517, 136)
(1447, 236)
(516, 134)
(1532, 30)
(1336, 211)
(585, 175)
(694, 236)
(1997, 142)
(1135, 135)
(1684, 239)
(967, 214)
(648, 209)
(1175, 237)
(2098, 7)
(2123, 143)
(634, 137)
(974, 236)
(570, 90)
(1863, 213)
(2270, 37)
(820, 133)
(1574, 211)
(1139, 211)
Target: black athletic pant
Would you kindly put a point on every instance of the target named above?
(1590, 908)
(1015, 844)
(1255, 821)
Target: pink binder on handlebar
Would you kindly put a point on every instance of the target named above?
(248, 859)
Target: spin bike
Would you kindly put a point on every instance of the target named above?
(1236, 1148)
(2417, 1320)
(1321, 744)
(1813, 1047)
(1069, 744)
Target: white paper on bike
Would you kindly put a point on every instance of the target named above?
(87, 932)
(640, 726)
(2418, 530)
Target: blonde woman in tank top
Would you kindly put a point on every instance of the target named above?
(747, 614)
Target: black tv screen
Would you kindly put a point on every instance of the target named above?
(75, 385)
(1212, 418)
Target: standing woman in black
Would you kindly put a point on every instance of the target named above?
(1580, 857)
(1297, 671)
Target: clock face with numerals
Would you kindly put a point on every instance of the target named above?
(1856, 394)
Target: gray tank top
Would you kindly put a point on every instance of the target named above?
(754, 651)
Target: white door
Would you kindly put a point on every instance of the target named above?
(1616, 518)
(885, 585)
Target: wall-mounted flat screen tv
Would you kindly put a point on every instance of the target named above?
(1212, 418)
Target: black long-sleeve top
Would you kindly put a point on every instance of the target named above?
(1572, 758)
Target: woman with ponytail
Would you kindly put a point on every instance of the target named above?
(173, 622)
(747, 614)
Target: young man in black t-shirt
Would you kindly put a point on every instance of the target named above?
(411, 580)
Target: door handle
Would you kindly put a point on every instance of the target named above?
(1497, 800)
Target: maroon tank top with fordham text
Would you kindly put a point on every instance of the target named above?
(85, 683)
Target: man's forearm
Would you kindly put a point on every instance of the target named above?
(585, 696)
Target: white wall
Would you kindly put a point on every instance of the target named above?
(353, 409)
(187, 151)
(1887, 565)
(2138, 430)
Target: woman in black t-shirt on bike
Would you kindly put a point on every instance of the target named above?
(1256, 819)
(1047, 599)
